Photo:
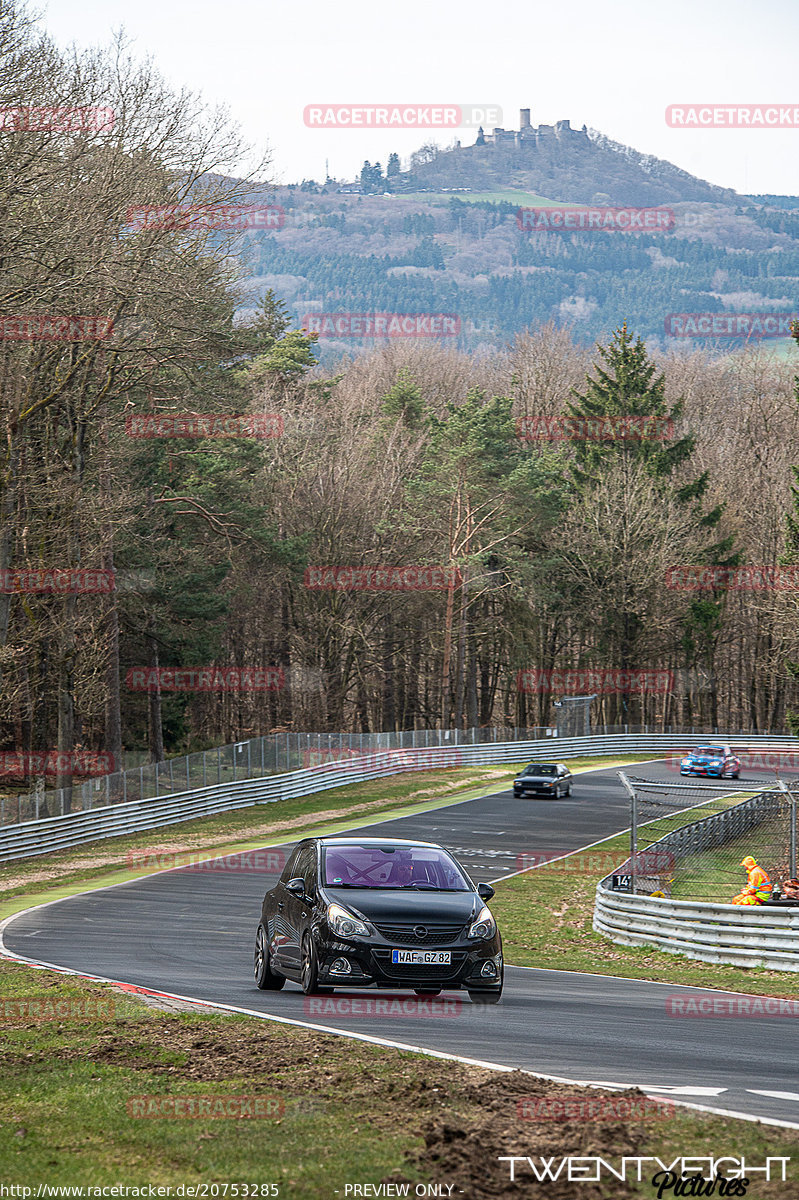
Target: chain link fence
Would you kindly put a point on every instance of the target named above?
(687, 840)
(272, 754)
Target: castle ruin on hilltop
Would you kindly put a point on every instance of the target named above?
(530, 135)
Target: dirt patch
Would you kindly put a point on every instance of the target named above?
(463, 1117)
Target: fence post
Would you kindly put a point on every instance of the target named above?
(141, 782)
(633, 826)
(219, 764)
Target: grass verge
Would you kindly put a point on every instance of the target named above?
(336, 1111)
(546, 918)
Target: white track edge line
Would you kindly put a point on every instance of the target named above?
(387, 1043)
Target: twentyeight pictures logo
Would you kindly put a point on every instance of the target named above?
(382, 325)
(207, 216)
(402, 116)
(594, 220)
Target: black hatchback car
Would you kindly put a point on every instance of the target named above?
(544, 779)
(360, 912)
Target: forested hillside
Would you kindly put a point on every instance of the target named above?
(221, 542)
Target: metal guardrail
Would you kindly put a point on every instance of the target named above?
(28, 838)
(741, 936)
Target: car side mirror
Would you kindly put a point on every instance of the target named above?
(485, 891)
(296, 886)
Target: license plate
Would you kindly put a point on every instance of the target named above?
(436, 958)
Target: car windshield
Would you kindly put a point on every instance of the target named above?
(716, 751)
(417, 868)
(540, 769)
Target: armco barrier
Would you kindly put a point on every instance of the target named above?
(56, 833)
(738, 935)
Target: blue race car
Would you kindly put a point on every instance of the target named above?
(716, 761)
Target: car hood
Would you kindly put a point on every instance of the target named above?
(537, 778)
(396, 905)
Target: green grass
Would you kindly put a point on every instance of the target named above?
(546, 918)
(340, 1111)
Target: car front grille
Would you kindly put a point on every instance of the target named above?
(437, 935)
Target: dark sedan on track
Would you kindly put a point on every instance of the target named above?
(544, 779)
(361, 912)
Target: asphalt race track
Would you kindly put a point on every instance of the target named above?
(190, 933)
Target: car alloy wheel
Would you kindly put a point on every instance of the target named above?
(265, 978)
(310, 969)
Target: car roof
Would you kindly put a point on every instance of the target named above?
(544, 764)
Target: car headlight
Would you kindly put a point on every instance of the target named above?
(686, 762)
(344, 924)
(715, 762)
(485, 926)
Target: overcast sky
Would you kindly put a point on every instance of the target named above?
(612, 65)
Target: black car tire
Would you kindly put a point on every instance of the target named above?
(557, 791)
(517, 794)
(737, 775)
(485, 997)
(427, 991)
(569, 790)
(265, 978)
(310, 969)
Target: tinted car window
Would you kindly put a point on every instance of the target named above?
(391, 867)
(716, 751)
(544, 769)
